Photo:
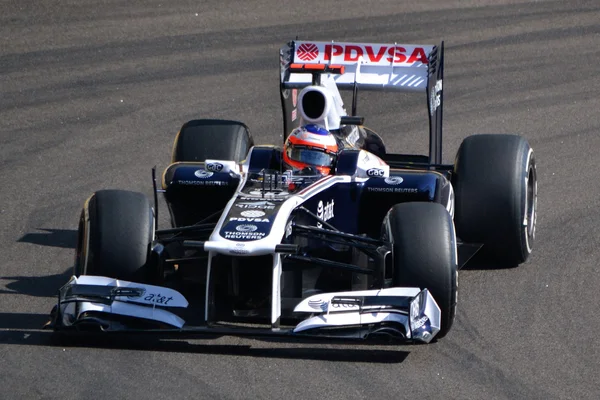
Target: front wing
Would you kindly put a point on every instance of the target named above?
(111, 305)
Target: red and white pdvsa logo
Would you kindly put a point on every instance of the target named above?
(307, 51)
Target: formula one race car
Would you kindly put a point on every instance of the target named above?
(369, 250)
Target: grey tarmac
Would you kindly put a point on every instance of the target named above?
(92, 94)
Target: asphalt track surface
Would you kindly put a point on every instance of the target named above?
(93, 92)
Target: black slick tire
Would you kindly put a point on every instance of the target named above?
(115, 234)
(217, 139)
(495, 183)
(424, 253)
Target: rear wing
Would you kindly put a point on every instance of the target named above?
(382, 67)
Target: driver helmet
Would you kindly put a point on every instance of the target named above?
(310, 146)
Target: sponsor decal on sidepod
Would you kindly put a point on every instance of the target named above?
(216, 167)
(394, 180)
(375, 172)
(202, 174)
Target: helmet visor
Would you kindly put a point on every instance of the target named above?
(308, 156)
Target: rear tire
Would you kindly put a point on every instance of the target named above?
(495, 183)
(424, 253)
(116, 230)
(217, 139)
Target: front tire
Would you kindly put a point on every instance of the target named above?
(424, 253)
(116, 230)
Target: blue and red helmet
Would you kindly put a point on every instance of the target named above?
(310, 146)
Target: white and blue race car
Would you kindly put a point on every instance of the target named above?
(369, 251)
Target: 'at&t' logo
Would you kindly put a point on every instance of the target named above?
(307, 51)
(325, 211)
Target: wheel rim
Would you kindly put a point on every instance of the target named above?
(531, 205)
